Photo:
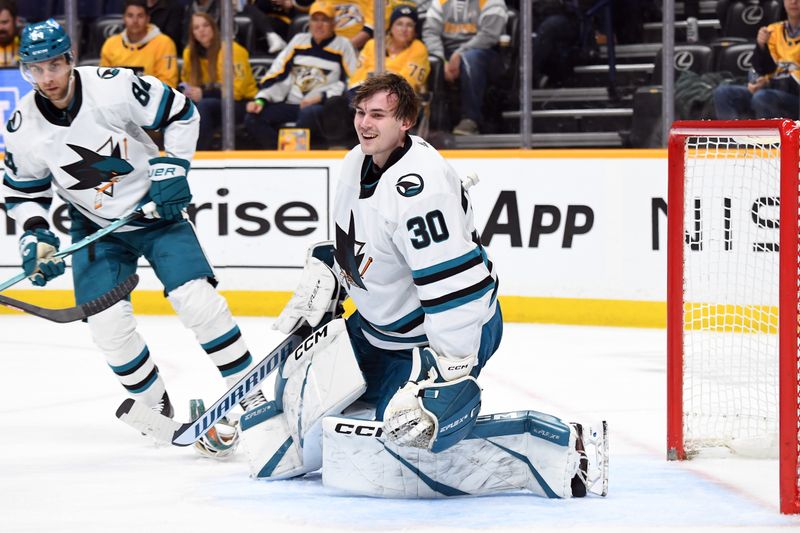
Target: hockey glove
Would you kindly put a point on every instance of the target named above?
(37, 246)
(438, 406)
(317, 294)
(169, 188)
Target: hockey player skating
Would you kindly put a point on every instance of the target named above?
(402, 370)
(81, 132)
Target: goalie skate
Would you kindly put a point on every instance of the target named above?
(221, 440)
(592, 445)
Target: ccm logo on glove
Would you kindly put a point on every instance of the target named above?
(361, 431)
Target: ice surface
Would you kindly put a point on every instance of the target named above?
(67, 464)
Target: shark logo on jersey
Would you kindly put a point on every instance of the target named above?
(94, 169)
(349, 255)
(107, 73)
(409, 185)
(14, 122)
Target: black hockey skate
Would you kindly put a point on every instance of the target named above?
(164, 406)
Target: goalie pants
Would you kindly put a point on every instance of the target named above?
(385, 371)
(175, 254)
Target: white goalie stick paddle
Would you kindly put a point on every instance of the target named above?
(142, 418)
(79, 312)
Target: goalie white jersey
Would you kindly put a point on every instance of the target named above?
(408, 253)
(95, 154)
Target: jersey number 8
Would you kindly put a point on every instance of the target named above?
(141, 93)
(430, 228)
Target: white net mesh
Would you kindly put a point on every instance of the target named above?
(731, 265)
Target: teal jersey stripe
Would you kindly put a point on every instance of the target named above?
(400, 322)
(370, 329)
(162, 106)
(435, 269)
(27, 184)
(458, 301)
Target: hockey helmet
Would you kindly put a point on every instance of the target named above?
(41, 41)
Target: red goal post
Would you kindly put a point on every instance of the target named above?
(732, 293)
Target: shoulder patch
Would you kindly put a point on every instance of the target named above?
(14, 122)
(106, 73)
(409, 185)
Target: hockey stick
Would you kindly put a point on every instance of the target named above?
(147, 209)
(143, 419)
(79, 312)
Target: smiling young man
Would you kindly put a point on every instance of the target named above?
(402, 369)
(81, 132)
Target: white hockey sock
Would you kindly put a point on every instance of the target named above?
(202, 309)
(114, 333)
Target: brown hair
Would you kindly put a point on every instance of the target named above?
(10, 6)
(407, 100)
(212, 52)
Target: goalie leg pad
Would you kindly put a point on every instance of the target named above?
(114, 333)
(504, 452)
(267, 440)
(321, 377)
(203, 310)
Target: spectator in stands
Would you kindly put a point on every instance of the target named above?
(463, 34)
(355, 20)
(141, 46)
(776, 61)
(556, 40)
(405, 54)
(167, 15)
(9, 35)
(272, 19)
(202, 76)
(314, 66)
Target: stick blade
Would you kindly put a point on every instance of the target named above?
(144, 420)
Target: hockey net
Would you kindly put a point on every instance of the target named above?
(732, 293)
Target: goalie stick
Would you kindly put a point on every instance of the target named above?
(79, 312)
(142, 418)
(148, 210)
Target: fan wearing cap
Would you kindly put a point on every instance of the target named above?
(405, 54)
(354, 20)
(312, 68)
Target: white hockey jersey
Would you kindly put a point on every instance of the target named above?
(95, 154)
(408, 253)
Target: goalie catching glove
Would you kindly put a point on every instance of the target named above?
(439, 404)
(317, 294)
(169, 188)
(37, 246)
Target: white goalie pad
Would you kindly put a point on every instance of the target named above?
(283, 438)
(504, 452)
